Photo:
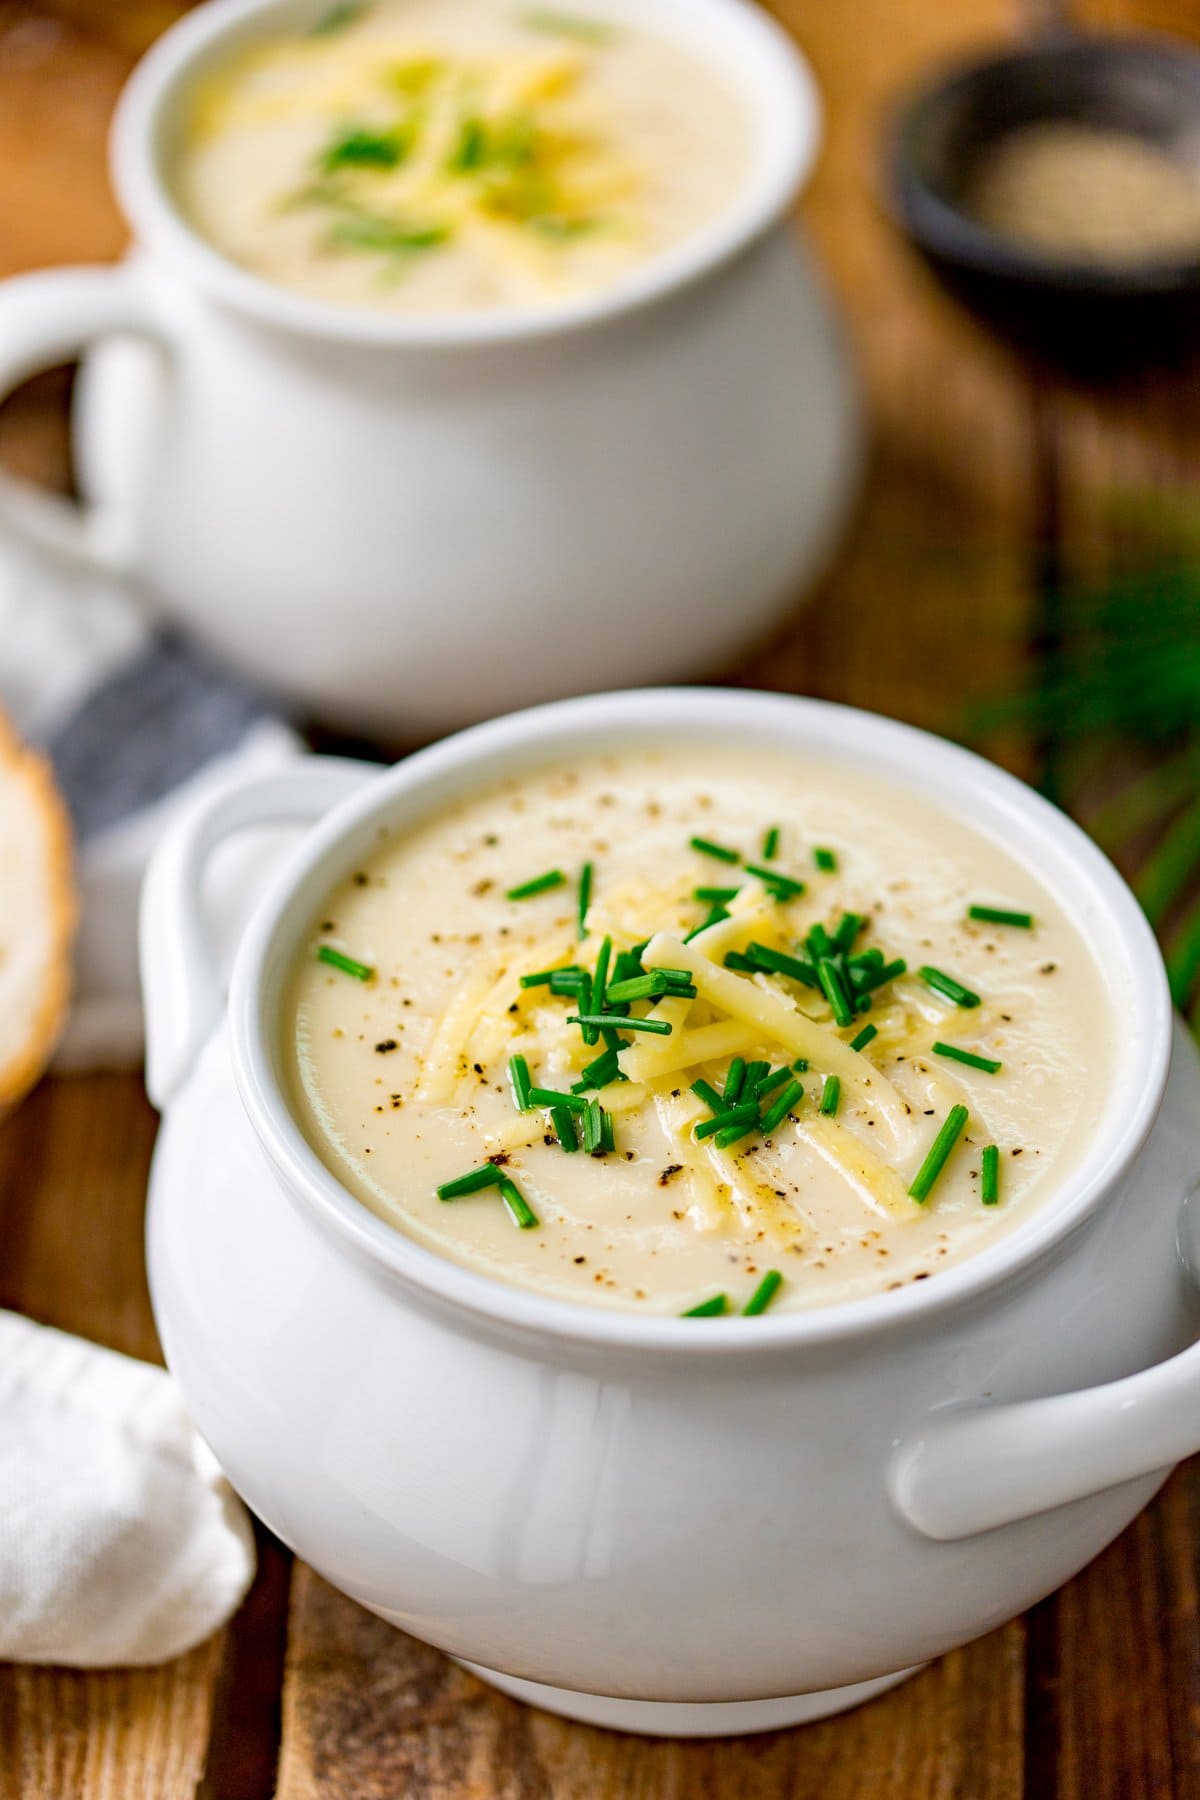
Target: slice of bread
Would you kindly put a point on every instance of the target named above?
(37, 915)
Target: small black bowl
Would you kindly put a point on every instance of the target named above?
(1096, 318)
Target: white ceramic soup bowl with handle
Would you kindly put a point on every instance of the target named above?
(665, 1524)
(338, 499)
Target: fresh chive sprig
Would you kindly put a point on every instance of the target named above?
(989, 1186)
(347, 964)
(971, 1058)
(939, 1151)
(540, 884)
(763, 1294)
(1000, 915)
(947, 986)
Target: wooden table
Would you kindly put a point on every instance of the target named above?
(983, 478)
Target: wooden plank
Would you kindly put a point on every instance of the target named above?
(928, 603)
(371, 1712)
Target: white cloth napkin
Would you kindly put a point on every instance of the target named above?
(120, 1541)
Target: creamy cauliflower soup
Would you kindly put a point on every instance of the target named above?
(456, 155)
(698, 1029)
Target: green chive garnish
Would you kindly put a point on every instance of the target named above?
(734, 959)
(763, 1294)
(746, 1114)
(867, 977)
(600, 979)
(714, 896)
(825, 860)
(614, 1022)
(999, 915)
(735, 1129)
(831, 1095)
(608, 1136)
(336, 18)
(516, 1205)
(864, 1037)
(706, 1092)
(783, 887)
(593, 1126)
(520, 1083)
(585, 899)
(775, 962)
(818, 943)
(989, 1191)
(714, 918)
(707, 848)
(547, 977)
(754, 1074)
(946, 985)
(734, 1080)
(939, 1150)
(652, 986)
(969, 1057)
(801, 1065)
(600, 1073)
(564, 1127)
(473, 1182)
(541, 884)
(568, 980)
(539, 1096)
(850, 925)
(360, 970)
(770, 1082)
(708, 1309)
(834, 991)
(770, 847)
(781, 1106)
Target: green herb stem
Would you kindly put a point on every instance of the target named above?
(540, 884)
(763, 1294)
(947, 986)
(970, 1057)
(999, 915)
(939, 1151)
(989, 1188)
(347, 964)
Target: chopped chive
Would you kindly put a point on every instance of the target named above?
(714, 896)
(473, 1182)
(770, 1082)
(849, 926)
(770, 847)
(600, 1073)
(871, 958)
(801, 1065)
(783, 887)
(516, 1205)
(564, 1127)
(716, 914)
(754, 1074)
(763, 1294)
(834, 991)
(999, 915)
(540, 1096)
(818, 943)
(520, 1083)
(831, 1095)
(775, 962)
(730, 1133)
(864, 1037)
(939, 1150)
(734, 1079)
(947, 986)
(747, 1114)
(674, 983)
(360, 970)
(734, 959)
(989, 1191)
(585, 899)
(614, 1022)
(541, 884)
(608, 1136)
(825, 860)
(593, 1128)
(781, 1106)
(867, 979)
(547, 977)
(708, 1309)
(707, 848)
(706, 1092)
(600, 978)
(970, 1057)
(568, 980)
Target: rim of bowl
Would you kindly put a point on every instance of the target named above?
(965, 784)
(772, 76)
(947, 230)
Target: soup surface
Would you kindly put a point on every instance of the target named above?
(455, 155)
(811, 1045)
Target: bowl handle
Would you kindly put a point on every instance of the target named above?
(181, 989)
(975, 1467)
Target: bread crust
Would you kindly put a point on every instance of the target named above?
(32, 771)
